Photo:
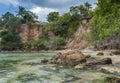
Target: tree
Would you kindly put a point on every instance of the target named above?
(26, 16)
(62, 25)
(88, 5)
(6, 18)
(11, 23)
(66, 24)
(74, 10)
(9, 35)
(81, 11)
(53, 16)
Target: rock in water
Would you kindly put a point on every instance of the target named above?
(44, 60)
(116, 52)
(70, 58)
(101, 62)
(111, 69)
(80, 66)
(100, 53)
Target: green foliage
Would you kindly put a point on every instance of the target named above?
(10, 25)
(58, 41)
(5, 19)
(62, 25)
(87, 5)
(53, 16)
(1, 24)
(68, 22)
(10, 40)
(9, 35)
(81, 11)
(37, 43)
(65, 24)
(105, 22)
(41, 42)
(26, 16)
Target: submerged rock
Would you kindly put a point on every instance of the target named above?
(80, 66)
(27, 77)
(87, 56)
(32, 63)
(100, 53)
(93, 64)
(101, 62)
(111, 69)
(44, 61)
(110, 79)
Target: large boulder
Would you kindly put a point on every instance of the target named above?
(70, 58)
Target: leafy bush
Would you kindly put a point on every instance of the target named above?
(10, 40)
(105, 22)
(38, 43)
(58, 41)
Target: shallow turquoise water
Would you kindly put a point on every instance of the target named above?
(26, 68)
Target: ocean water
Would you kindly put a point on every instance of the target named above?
(26, 68)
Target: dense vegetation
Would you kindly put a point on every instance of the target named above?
(104, 23)
(9, 34)
(68, 22)
(10, 24)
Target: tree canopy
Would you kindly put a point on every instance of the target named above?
(68, 22)
(26, 16)
(105, 22)
(10, 24)
(53, 16)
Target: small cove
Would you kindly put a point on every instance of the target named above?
(26, 68)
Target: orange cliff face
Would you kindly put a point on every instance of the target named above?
(26, 32)
(80, 36)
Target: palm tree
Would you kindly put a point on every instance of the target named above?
(26, 16)
(88, 5)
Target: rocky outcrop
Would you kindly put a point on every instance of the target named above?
(76, 59)
(71, 58)
(79, 40)
(80, 36)
(29, 32)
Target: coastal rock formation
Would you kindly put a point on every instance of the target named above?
(72, 58)
(26, 32)
(77, 60)
(80, 36)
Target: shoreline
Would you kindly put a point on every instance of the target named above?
(63, 51)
